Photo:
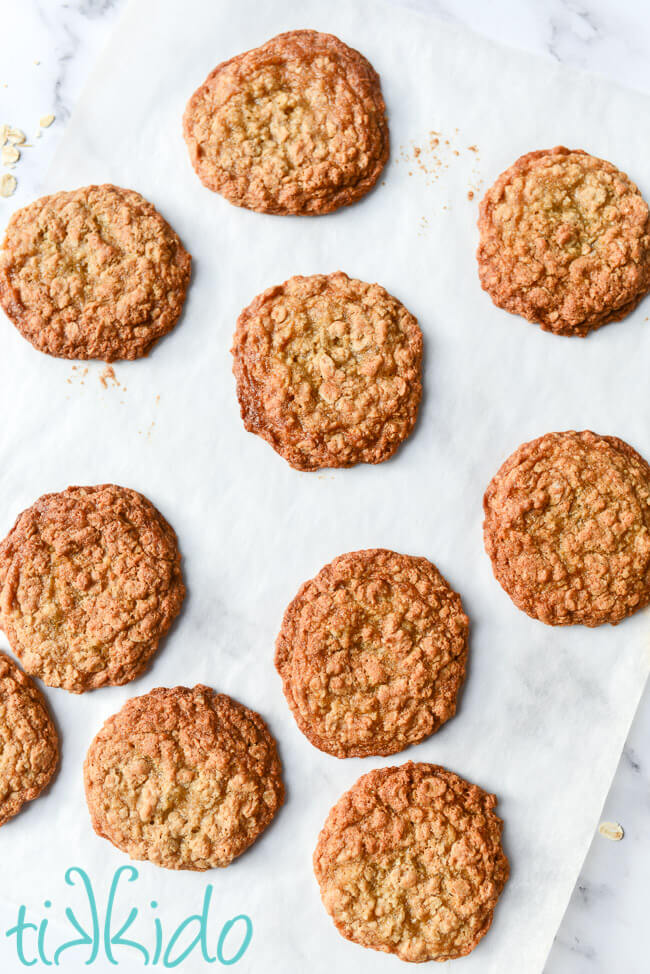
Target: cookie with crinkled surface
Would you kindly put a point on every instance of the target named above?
(410, 862)
(297, 125)
(90, 581)
(372, 653)
(567, 526)
(29, 743)
(328, 370)
(95, 273)
(186, 778)
(564, 241)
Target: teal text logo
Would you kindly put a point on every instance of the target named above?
(111, 934)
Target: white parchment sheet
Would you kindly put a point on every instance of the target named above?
(545, 712)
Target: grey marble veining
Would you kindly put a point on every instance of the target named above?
(605, 927)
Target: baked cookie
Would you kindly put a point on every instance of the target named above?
(567, 526)
(297, 125)
(93, 274)
(90, 581)
(29, 743)
(328, 370)
(410, 862)
(186, 778)
(372, 653)
(564, 241)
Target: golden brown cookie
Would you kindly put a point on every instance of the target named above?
(372, 653)
(297, 125)
(29, 743)
(410, 862)
(96, 273)
(564, 241)
(567, 526)
(186, 778)
(328, 370)
(90, 581)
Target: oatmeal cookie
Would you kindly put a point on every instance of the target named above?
(328, 370)
(297, 125)
(90, 581)
(29, 743)
(564, 241)
(186, 778)
(567, 526)
(410, 862)
(372, 653)
(95, 273)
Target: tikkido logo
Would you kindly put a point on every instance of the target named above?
(105, 937)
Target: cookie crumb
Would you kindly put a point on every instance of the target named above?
(611, 830)
(46, 120)
(108, 375)
(7, 184)
(470, 194)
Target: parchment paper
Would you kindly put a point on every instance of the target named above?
(545, 711)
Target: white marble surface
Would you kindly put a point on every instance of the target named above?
(604, 929)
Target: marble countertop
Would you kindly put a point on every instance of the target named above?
(48, 52)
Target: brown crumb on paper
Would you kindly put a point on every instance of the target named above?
(437, 154)
(108, 375)
(78, 375)
(148, 431)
